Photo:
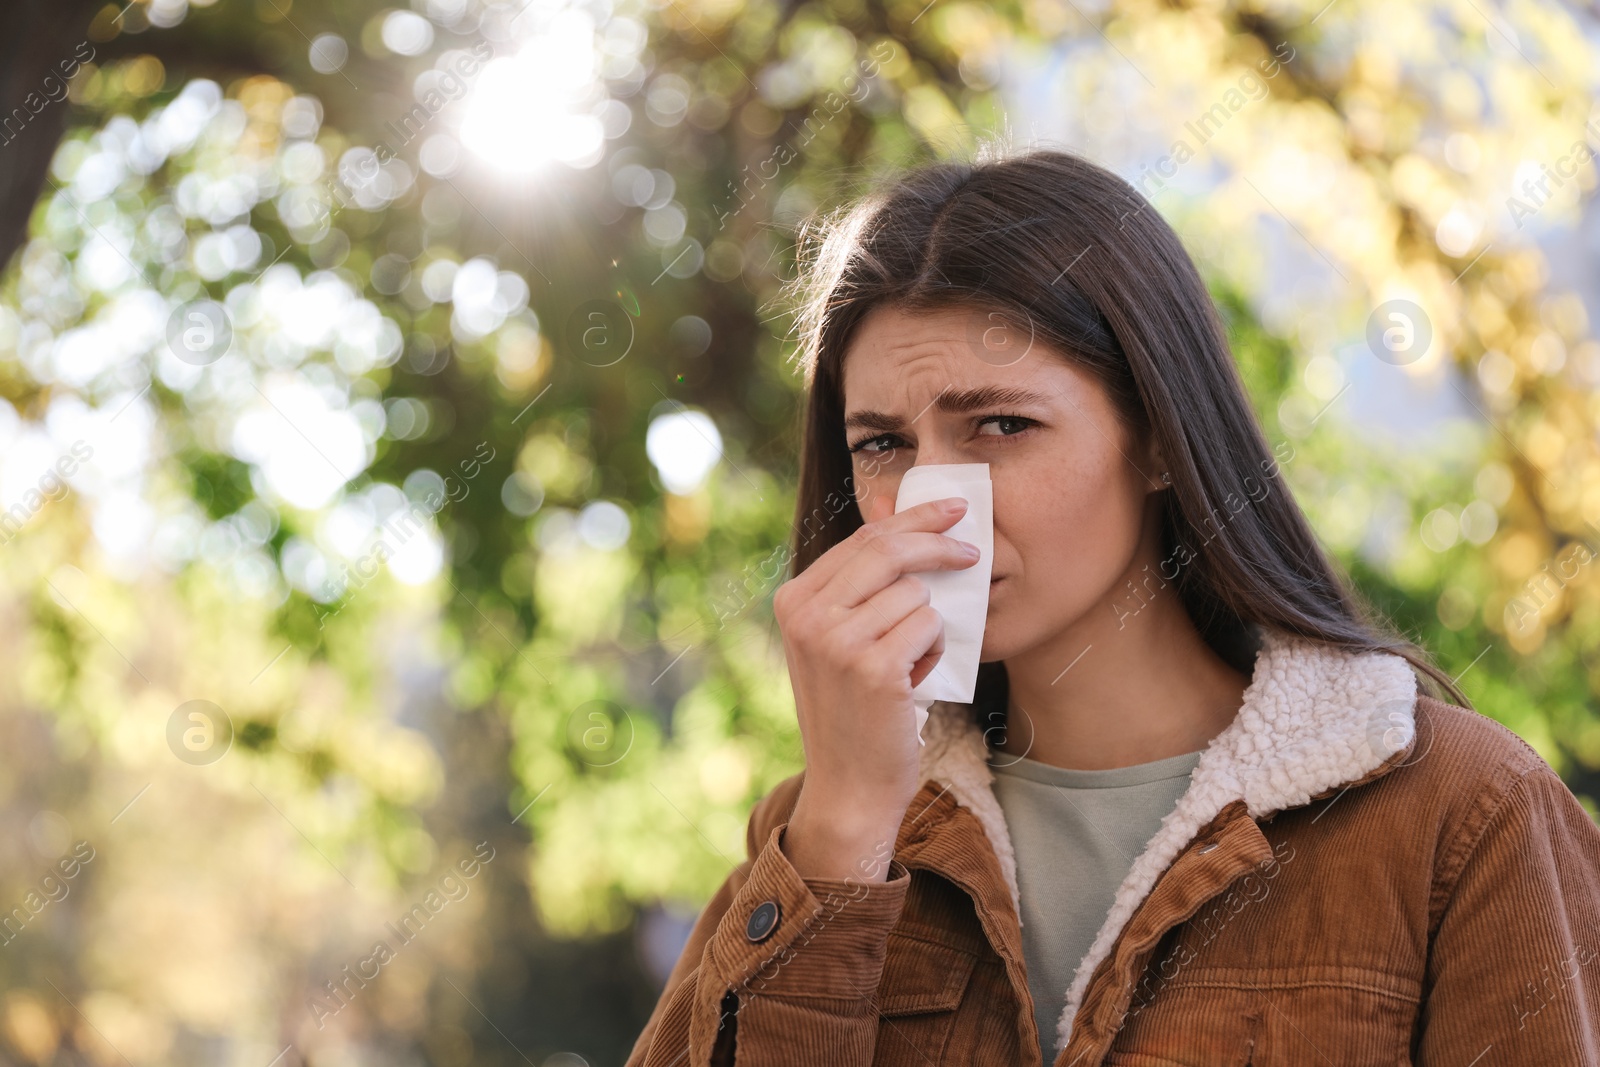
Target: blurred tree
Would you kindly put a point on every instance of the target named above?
(37, 58)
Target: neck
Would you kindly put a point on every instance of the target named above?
(1139, 688)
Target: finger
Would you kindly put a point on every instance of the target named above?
(868, 567)
(871, 621)
(922, 634)
(863, 564)
(928, 515)
(882, 612)
(878, 506)
(925, 517)
(927, 664)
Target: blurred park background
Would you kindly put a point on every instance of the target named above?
(398, 432)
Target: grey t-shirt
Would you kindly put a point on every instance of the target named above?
(1076, 834)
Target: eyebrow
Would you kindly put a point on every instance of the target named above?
(957, 402)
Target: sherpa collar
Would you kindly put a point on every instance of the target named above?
(1314, 717)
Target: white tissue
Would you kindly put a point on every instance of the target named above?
(961, 597)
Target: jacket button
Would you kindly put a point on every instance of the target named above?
(1210, 846)
(762, 922)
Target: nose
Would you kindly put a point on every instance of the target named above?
(932, 452)
(944, 458)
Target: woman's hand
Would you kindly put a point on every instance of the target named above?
(859, 634)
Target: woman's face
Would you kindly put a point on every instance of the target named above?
(1071, 522)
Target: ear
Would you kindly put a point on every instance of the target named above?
(1155, 465)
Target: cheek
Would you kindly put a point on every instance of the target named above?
(868, 487)
(1074, 534)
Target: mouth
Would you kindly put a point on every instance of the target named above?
(997, 578)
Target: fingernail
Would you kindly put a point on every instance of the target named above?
(970, 549)
(955, 503)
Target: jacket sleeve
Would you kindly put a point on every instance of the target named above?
(1514, 970)
(804, 993)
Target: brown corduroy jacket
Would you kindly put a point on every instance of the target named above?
(1357, 876)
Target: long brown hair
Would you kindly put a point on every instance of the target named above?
(1055, 242)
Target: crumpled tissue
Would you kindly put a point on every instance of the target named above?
(961, 597)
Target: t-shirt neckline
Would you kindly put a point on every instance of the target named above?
(1178, 766)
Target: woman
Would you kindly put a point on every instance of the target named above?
(1205, 808)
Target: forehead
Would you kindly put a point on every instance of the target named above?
(897, 352)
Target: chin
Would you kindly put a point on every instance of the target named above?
(1019, 628)
(997, 644)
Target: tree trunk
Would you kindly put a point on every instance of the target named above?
(39, 39)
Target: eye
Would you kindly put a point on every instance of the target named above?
(882, 440)
(1022, 424)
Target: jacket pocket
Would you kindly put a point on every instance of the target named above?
(923, 985)
(921, 976)
(1255, 1018)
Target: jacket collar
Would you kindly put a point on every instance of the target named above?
(1314, 718)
